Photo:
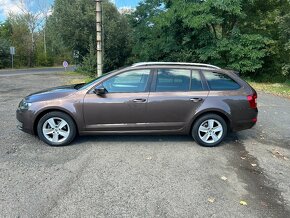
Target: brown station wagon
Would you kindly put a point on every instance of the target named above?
(146, 98)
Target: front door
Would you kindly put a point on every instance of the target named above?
(176, 96)
(123, 107)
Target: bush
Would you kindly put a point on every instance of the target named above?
(89, 65)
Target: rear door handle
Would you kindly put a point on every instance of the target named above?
(139, 100)
(196, 100)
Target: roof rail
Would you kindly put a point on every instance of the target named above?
(175, 63)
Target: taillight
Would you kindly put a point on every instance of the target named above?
(253, 100)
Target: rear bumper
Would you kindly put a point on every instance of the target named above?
(246, 124)
(242, 125)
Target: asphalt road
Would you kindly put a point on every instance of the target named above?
(17, 72)
(143, 176)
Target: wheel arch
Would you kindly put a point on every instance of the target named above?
(222, 114)
(42, 113)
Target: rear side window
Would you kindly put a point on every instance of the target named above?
(220, 81)
(170, 80)
(196, 84)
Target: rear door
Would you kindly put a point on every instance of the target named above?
(174, 98)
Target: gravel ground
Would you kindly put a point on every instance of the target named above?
(143, 176)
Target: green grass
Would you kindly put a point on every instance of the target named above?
(76, 77)
(281, 89)
(84, 76)
(72, 73)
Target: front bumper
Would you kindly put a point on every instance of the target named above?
(19, 125)
(24, 121)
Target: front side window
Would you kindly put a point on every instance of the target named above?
(220, 81)
(170, 80)
(131, 81)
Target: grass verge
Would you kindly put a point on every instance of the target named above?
(76, 78)
(281, 89)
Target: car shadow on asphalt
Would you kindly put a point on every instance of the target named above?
(132, 138)
(231, 138)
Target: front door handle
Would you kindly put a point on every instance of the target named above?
(139, 100)
(196, 100)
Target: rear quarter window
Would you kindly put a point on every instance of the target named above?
(220, 81)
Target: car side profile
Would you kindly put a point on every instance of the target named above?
(146, 98)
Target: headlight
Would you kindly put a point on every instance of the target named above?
(23, 105)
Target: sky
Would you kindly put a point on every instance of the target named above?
(7, 6)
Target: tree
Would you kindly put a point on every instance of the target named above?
(73, 23)
(118, 38)
(5, 34)
(32, 18)
(270, 18)
(25, 28)
(21, 40)
(201, 31)
(284, 36)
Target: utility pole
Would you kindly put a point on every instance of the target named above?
(99, 28)
(44, 36)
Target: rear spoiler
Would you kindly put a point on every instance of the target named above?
(237, 73)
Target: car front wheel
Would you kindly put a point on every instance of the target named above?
(209, 130)
(56, 129)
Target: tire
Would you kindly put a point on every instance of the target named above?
(56, 129)
(209, 130)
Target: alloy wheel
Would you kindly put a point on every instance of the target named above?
(56, 130)
(210, 131)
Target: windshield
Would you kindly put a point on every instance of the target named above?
(86, 85)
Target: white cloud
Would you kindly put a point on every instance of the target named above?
(45, 14)
(50, 12)
(9, 6)
(41, 8)
(126, 10)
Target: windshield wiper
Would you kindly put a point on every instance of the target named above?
(78, 86)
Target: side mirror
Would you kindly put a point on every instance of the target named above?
(100, 91)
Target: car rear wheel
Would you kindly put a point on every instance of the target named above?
(209, 130)
(56, 129)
